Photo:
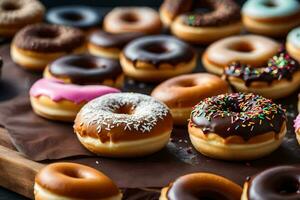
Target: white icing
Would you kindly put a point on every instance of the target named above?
(294, 37)
(281, 8)
(102, 112)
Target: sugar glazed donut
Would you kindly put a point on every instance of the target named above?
(201, 186)
(82, 17)
(124, 125)
(276, 183)
(110, 45)
(86, 70)
(183, 92)
(293, 43)
(132, 19)
(237, 126)
(223, 20)
(278, 78)
(297, 127)
(271, 17)
(16, 14)
(53, 99)
(247, 49)
(74, 182)
(156, 58)
(36, 45)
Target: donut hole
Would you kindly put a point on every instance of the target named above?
(9, 6)
(125, 110)
(210, 195)
(156, 49)
(232, 106)
(46, 34)
(129, 17)
(270, 4)
(187, 84)
(72, 174)
(243, 47)
(72, 16)
(288, 186)
(87, 64)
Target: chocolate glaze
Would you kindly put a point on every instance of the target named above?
(281, 66)
(158, 50)
(85, 69)
(112, 40)
(223, 12)
(244, 115)
(175, 8)
(49, 38)
(190, 189)
(277, 183)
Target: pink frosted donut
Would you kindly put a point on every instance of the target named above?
(297, 128)
(56, 100)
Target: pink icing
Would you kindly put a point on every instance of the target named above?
(58, 90)
(297, 123)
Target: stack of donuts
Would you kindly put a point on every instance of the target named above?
(228, 111)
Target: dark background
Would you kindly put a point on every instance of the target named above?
(7, 195)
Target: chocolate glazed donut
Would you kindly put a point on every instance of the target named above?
(277, 183)
(85, 69)
(159, 49)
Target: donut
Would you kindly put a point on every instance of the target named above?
(247, 49)
(86, 70)
(278, 78)
(124, 125)
(273, 18)
(237, 126)
(297, 127)
(277, 183)
(293, 43)
(73, 181)
(181, 93)
(36, 45)
(82, 17)
(55, 100)
(170, 9)
(16, 14)
(201, 186)
(222, 19)
(156, 58)
(110, 45)
(132, 19)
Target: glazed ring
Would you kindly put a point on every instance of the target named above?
(82, 17)
(53, 99)
(132, 19)
(124, 125)
(293, 43)
(156, 58)
(276, 183)
(86, 70)
(110, 45)
(37, 45)
(297, 126)
(224, 20)
(183, 92)
(16, 14)
(278, 78)
(237, 126)
(201, 186)
(247, 49)
(271, 17)
(73, 181)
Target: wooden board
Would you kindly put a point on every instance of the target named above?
(17, 172)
